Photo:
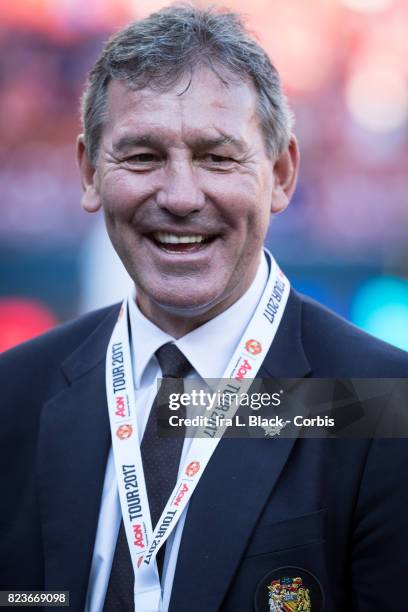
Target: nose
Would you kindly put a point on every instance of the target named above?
(180, 192)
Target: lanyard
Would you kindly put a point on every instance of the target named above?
(237, 378)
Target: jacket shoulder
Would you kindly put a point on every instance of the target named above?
(333, 344)
(34, 372)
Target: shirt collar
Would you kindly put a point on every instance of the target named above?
(208, 347)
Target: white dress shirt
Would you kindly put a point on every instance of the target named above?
(209, 349)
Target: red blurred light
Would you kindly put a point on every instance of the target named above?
(21, 320)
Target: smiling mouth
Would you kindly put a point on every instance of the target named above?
(185, 243)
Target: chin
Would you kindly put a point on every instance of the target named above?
(182, 297)
(181, 292)
(185, 306)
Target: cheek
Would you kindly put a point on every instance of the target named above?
(249, 214)
(259, 208)
(243, 198)
(252, 219)
(123, 192)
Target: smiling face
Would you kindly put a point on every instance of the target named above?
(187, 188)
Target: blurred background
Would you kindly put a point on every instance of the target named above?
(343, 240)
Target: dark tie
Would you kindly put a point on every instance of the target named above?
(161, 459)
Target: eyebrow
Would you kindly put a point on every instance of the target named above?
(218, 141)
(198, 144)
(141, 140)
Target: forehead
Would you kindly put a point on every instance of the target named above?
(202, 104)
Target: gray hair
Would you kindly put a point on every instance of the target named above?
(159, 50)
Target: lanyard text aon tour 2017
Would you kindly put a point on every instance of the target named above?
(143, 542)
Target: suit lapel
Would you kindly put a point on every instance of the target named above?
(234, 488)
(73, 446)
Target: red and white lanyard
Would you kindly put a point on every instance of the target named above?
(242, 368)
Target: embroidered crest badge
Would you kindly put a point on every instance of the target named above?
(289, 589)
(289, 595)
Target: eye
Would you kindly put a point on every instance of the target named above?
(219, 161)
(142, 162)
(143, 158)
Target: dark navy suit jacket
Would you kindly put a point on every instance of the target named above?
(335, 509)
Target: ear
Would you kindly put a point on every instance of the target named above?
(285, 171)
(90, 200)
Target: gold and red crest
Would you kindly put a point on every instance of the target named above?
(289, 595)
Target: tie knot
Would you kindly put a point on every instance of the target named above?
(172, 362)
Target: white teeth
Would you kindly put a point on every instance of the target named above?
(173, 239)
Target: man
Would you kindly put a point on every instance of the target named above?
(188, 149)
